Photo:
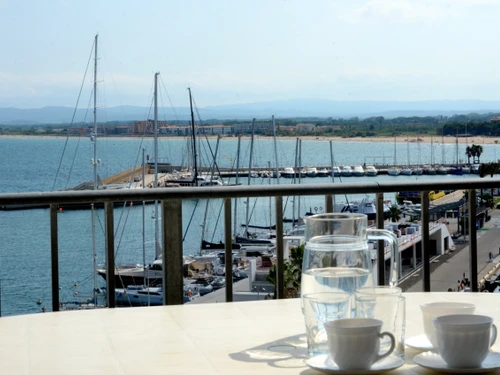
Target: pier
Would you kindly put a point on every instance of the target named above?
(225, 172)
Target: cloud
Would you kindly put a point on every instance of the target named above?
(394, 11)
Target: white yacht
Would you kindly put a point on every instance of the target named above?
(367, 206)
(430, 170)
(346, 171)
(442, 170)
(336, 171)
(406, 172)
(288, 172)
(138, 295)
(417, 171)
(371, 171)
(358, 171)
(323, 172)
(394, 171)
(311, 172)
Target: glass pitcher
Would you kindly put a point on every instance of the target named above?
(337, 256)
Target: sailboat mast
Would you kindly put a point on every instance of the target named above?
(300, 177)
(270, 201)
(235, 219)
(333, 174)
(155, 125)
(95, 113)
(432, 152)
(194, 139)
(158, 249)
(249, 178)
(204, 224)
(395, 161)
(276, 153)
(296, 168)
(94, 241)
(146, 281)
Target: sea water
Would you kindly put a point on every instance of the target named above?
(32, 164)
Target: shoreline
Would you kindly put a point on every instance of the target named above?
(478, 140)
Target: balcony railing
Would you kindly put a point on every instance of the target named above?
(171, 202)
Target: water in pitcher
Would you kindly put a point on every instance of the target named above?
(333, 265)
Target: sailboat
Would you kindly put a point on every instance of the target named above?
(142, 274)
(394, 170)
(457, 169)
(429, 169)
(94, 163)
(406, 171)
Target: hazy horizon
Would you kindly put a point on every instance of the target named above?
(233, 53)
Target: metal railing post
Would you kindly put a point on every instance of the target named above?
(426, 270)
(173, 281)
(228, 253)
(110, 255)
(54, 256)
(473, 241)
(280, 263)
(329, 203)
(380, 243)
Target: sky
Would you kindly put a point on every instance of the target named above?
(244, 51)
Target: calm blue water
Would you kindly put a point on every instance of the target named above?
(31, 164)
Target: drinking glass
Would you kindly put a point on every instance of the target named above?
(390, 308)
(320, 308)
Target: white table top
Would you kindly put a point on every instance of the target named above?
(264, 337)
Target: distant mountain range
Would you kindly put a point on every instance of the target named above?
(292, 108)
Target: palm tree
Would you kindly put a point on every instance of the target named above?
(477, 150)
(395, 213)
(469, 153)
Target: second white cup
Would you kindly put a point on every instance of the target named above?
(432, 310)
(464, 340)
(354, 343)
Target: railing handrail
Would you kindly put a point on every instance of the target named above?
(171, 200)
(219, 192)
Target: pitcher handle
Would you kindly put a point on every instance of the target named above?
(383, 234)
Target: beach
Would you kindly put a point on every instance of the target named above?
(478, 140)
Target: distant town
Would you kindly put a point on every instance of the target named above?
(457, 125)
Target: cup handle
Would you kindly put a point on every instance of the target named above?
(393, 344)
(493, 336)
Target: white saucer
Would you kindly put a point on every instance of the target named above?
(433, 361)
(420, 342)
(324, 363)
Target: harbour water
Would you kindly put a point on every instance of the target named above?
(32, 164)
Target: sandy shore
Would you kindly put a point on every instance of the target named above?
(478, 140)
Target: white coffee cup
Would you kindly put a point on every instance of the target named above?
(464, 340)
(354, 343)
(431, 310)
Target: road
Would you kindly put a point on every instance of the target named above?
(448, 273)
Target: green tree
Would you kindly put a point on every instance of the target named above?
(395, 213)
(292, 270)
(469, 153)
(487, 200)
(477, 151)
(488, 169)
